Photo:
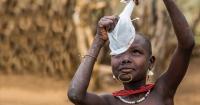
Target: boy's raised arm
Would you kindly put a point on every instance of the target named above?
(77, 92)
(169, 81)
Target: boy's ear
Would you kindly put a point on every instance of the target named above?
(152, 62)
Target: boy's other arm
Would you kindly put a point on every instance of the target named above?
(169, 81)
(77, 92)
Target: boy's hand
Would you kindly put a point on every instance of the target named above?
(136, 2)
(106, 24)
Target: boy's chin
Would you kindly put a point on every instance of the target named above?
(125, 78)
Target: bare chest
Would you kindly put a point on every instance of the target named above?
(150, 100)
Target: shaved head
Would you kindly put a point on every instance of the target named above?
(147, 42)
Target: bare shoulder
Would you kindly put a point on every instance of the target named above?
(109, 98)
(106, 95)
(160, 91)
(155, 98)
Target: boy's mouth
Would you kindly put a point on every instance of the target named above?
(126, 70)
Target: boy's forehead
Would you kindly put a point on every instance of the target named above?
(139, 41)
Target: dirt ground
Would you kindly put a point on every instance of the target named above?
(29, 90)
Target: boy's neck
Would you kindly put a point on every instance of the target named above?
(134, 85)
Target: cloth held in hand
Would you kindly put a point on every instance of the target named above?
(123, 34)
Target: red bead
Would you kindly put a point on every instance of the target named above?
(142, 89)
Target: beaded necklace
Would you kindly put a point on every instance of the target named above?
(147, 88)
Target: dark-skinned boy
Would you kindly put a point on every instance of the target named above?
(137, 59)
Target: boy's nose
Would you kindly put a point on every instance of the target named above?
(125, 61)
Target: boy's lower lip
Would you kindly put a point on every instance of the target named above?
(126, 70)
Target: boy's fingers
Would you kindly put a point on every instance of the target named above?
(136, 2)
(105, 19)
(109, 17)
(114, 18)
(105, 22)
(108, 25)
(108, 22)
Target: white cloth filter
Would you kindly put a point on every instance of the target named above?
(123, 34)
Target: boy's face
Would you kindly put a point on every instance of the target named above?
(135, 61)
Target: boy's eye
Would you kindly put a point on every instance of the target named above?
(136, 52)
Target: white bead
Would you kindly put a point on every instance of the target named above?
(136, 101)
(150, 73)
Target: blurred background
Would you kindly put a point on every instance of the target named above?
(42, 41)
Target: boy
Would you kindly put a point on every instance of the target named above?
(131, 66)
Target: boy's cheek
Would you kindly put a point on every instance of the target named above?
(140, 62)
(114, 67)
(114, 63)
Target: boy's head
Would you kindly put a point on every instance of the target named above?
(147, 43)
(135, 61)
